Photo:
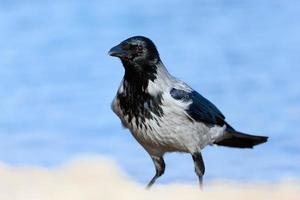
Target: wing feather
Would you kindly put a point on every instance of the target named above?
(200, 109)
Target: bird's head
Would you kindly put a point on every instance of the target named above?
(136, 51)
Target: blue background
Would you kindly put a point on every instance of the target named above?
(57, 82)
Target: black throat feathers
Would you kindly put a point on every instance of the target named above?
(135, 101)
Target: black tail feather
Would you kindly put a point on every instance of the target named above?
(241, 140)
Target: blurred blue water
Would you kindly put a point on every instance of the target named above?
(57, 82)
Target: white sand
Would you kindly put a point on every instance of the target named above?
(98, 179)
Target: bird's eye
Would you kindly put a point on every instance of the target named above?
(139, 48)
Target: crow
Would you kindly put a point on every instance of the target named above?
(164, 114)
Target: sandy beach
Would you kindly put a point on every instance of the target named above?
(97, 178)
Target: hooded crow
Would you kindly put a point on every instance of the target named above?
(164, 114)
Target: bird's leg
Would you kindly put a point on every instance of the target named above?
(159, 164)
(199, 167)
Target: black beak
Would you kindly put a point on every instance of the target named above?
(117, 51)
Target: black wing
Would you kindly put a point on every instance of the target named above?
(200, 109)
